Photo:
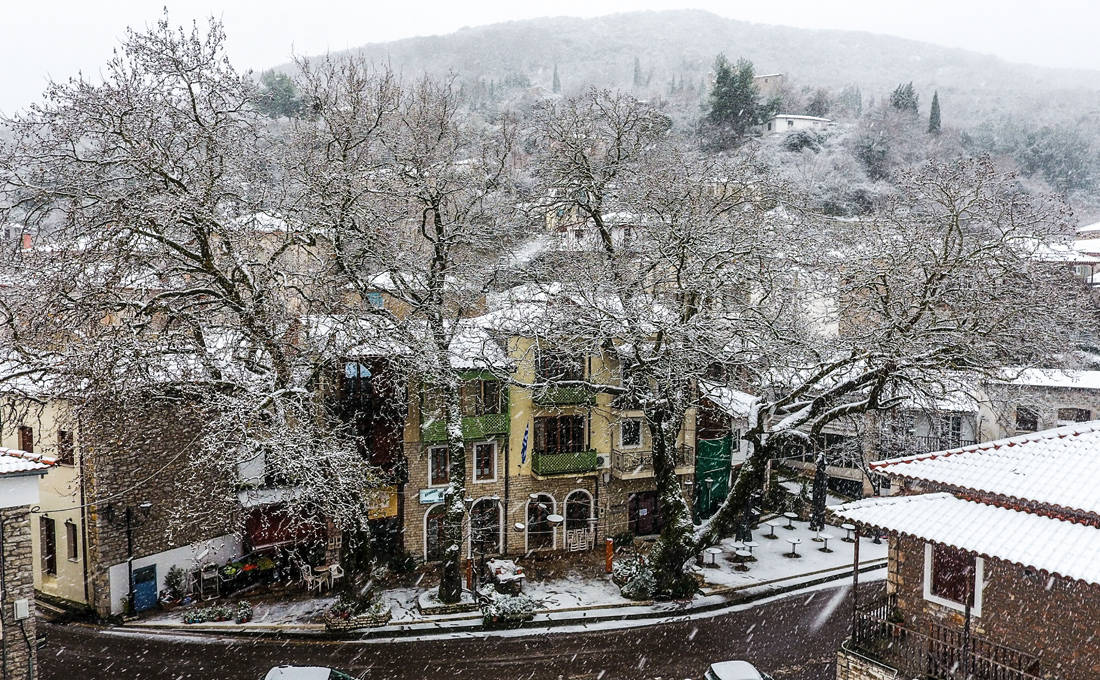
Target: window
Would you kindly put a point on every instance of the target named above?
(1073, 415)
(1027, 419)
(735, 439)
(485, 527)
(49, 546)
(481, 397)
(65, 447)
(630, 433)
(374, 299)
(70, 540)
(555, 366)
(26, 438)
(485, 462)
(559, 434)
(790, 123)
(439, 466)
(952, 576)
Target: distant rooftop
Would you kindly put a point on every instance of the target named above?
(798, 116)
(1058, 468)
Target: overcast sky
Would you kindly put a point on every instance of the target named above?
(40, 39)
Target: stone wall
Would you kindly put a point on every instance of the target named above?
(136, 453)
(18, 636)
(853, 666)
(1051, 618)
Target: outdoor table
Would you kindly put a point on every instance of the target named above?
(824, 537)
(506, 575)
(794, 541)
(324, 572)
(738, 545)
(772, 524)
(742, 557)
(849, 528)
(791, 517)
(714, 552)
(750, 545)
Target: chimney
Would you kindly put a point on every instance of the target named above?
(26, 241)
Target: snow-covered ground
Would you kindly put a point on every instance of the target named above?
(772, 563)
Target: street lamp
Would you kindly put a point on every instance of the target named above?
(130, 520)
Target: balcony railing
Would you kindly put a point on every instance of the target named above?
(473, 427)
(927, 444)
(632, 464)
(563, 396)
(940, 653)
(575, 462)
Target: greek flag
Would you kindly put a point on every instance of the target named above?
(523, 449)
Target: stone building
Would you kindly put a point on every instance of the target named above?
(994, 563)
(548, 469)
(19, 473)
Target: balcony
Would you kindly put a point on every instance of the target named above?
(564, 396)
(638, 464)
(577, 462)
(473, 428)
(928, 444)
(938, 653)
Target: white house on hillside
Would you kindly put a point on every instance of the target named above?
(788, 122)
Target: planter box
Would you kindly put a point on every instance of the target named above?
(358, 621)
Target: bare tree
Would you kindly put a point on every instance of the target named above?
(165, 268)
(412, 194)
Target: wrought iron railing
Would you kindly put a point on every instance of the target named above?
(940, 652)
(473, 427)
(640, 462)
(927, 444)
(543, 463)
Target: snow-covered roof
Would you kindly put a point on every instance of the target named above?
(1058, 467)
(1054, 377)
(1089, 228)
(1063, 252)
(473, 348)
(1055, 546)
(734, 402)
(1087, 245)
(798, 116)
(15, 462)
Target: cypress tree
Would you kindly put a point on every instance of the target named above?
(557, 81)
(934, 115)
(637, 72)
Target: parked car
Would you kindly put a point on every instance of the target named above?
(734, 670)
(305, 673)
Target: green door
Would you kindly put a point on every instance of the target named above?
(712, 474)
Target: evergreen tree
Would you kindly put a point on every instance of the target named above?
(934, 115)
(819, 103)
(904, 98)
(278, 96)
(638, 81)
(734, 101)
(557, 81)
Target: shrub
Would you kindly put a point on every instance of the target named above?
(244, 612)
(507, 608)
(803, 139)
(642, 586)
(626, 568)
(173, 583)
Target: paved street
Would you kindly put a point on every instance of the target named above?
(794, 638)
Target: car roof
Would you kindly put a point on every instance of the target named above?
(735, 670)
(298, 673)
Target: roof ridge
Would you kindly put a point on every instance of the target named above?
(28, 455)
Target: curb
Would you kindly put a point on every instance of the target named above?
(467, 624)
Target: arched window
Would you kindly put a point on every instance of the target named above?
(435, 539)
(485, 527)
(578, 509)
(578, 525)
(540, 532)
